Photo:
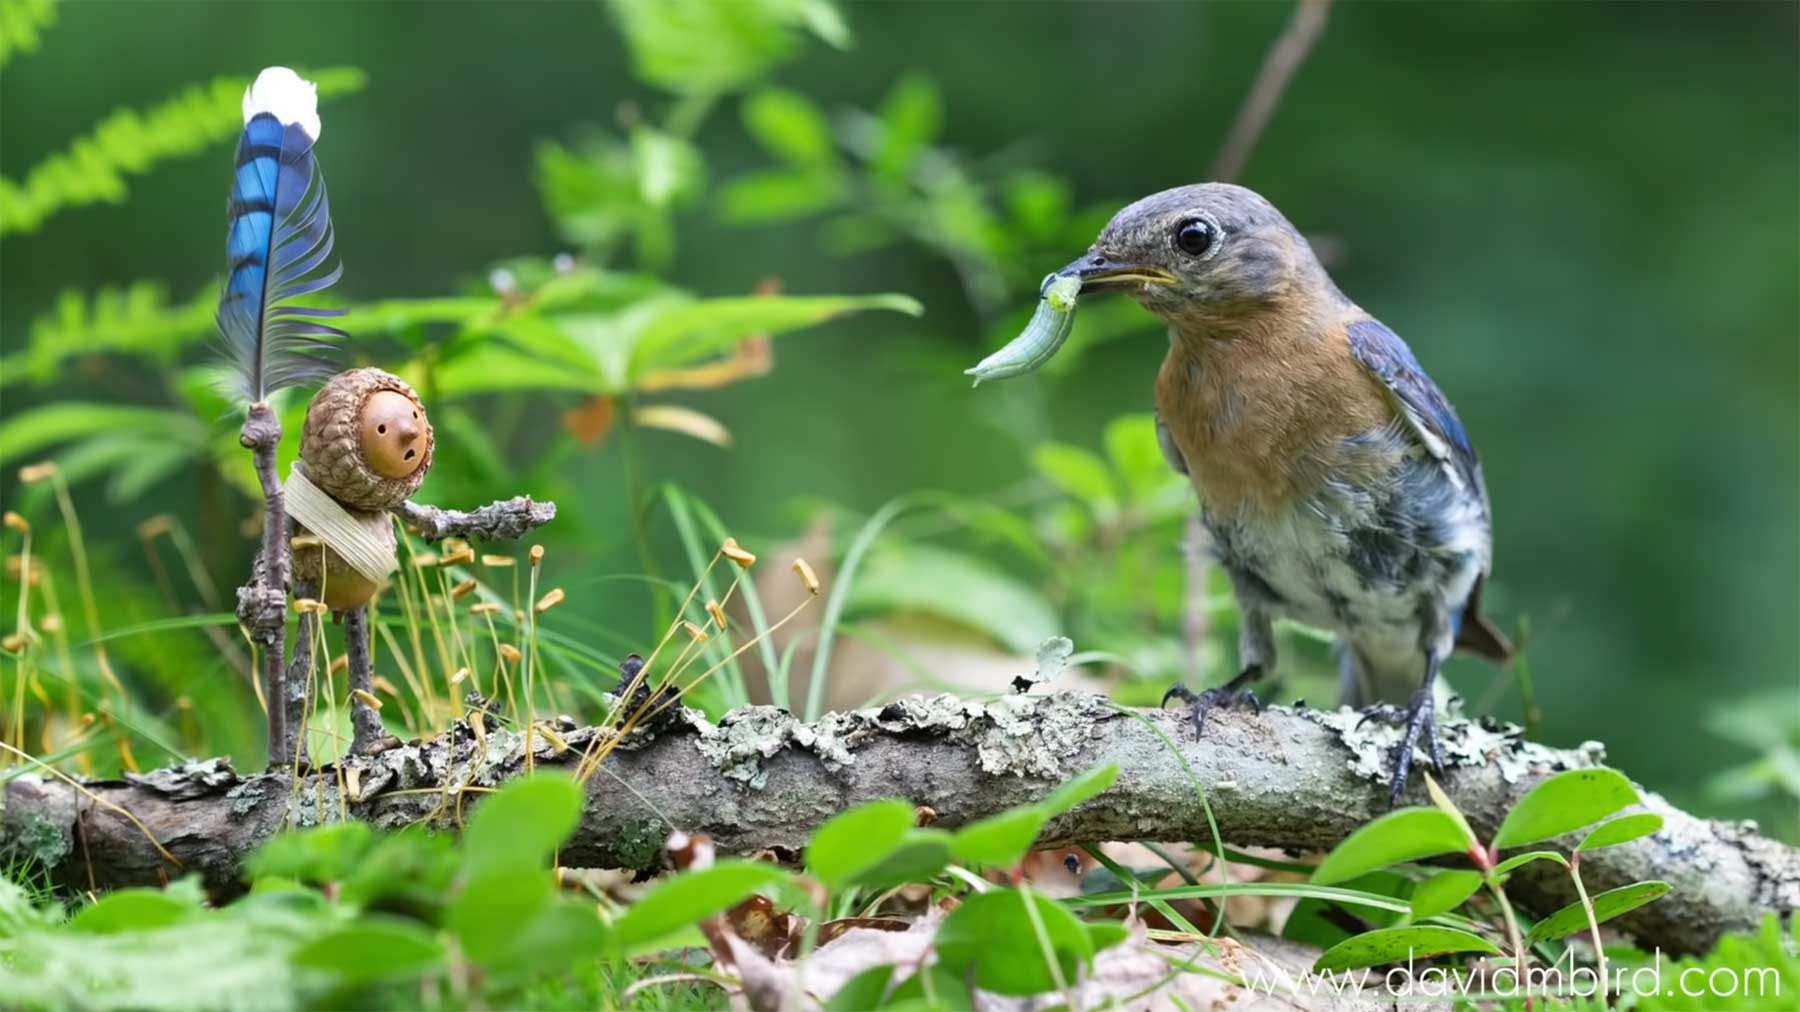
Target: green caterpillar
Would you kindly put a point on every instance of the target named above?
(1048, 329)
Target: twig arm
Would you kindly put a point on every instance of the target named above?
(504, 520)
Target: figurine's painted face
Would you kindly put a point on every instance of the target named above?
(394, 434)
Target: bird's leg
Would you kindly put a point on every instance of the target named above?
(1419, 717)
(1256, 656)
(365, 720)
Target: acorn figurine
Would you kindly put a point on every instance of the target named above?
(365, 449)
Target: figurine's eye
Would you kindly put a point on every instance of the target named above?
(1195, 237)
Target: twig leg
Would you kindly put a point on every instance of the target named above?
(365, 721)
(298, 670)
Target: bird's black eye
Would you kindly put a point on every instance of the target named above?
(1195, 237)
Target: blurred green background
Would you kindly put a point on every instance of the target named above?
(1583, 217)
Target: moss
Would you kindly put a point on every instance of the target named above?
(639, 843)
(33, 841)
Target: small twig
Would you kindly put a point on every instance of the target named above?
(497, 521)
(1278, 67)
(262, 603)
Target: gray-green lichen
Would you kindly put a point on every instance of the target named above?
(193, 778)
(1371, 745)
(1013, 735)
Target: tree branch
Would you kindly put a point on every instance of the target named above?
(1278, 67)
(1290, 778)
(497, 521)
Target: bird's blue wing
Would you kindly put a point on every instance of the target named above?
(1431, 418)
(278, 239)
(1427, 413)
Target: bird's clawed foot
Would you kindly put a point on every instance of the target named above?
(1419, 717)
(1232, 693)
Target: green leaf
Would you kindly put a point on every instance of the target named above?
(1518, 860)
(1081, 474)
(495, 907)
(933, 988)
(1406, 835)
(921, 855)
(912, 577)
(790, 126)
(709, 47)
(522, 824)
(562, 934)
(21, 25)
(1621, 830)
(1106, 934)
(686, 333)
(1083, 787)
(1132, 447)
(133, 910)
(1319, 921)
(993, 933)
(1563, 803)
(856, 840)
(1607, 905)
(689, 898)
(1443, 892)
(758, 198)
(863, 991)
(1396, 945)
(999, 840)
(324, 854)
(94, 167)
(911, 117)
(373, 948)
(36, 429)
(498, 367)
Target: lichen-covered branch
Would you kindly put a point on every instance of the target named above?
(504, 520)
(762, 780)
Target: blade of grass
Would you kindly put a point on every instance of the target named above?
(1334, 894)
(840, 592)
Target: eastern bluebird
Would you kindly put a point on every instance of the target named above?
(1335, 480)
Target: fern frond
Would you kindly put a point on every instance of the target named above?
(138, 320)
(21, 22)
(127, 143)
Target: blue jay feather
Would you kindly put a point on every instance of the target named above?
(277, 242)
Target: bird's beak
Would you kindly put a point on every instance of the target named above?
(1099, 274)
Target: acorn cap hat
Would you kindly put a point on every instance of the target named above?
(331, 448)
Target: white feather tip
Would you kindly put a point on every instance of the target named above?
(287, 96)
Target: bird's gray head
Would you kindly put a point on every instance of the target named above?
(1204, 252)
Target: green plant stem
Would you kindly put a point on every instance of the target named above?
(1587, 906)
(1512, 929)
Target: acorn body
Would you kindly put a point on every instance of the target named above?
(340, 585)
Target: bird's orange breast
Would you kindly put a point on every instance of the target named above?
(1262, 416)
